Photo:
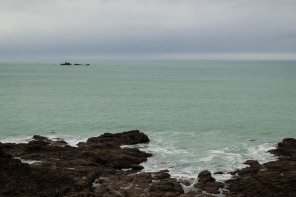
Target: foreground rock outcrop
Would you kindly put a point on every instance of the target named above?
(275, 178)
(100, 167)
(97, 167)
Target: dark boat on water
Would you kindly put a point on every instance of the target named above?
(66, 64)
(69, 64)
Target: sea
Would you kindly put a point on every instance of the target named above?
(198, 115)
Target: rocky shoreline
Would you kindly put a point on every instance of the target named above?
(100, 167)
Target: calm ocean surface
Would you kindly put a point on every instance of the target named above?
(198, 114)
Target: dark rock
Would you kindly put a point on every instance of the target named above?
(285, 148)
(36, 146)
(205, 176)
(56, 142)
(125, 158)
(185, 182)
(129, 178)
(69, 171)
(166, 188)
(94, 168)
(40, 138)
(19, 179)
(275, 178)
(249, 170)
(210, 187)
(213, 187)
(207, 183)
(138, 185)
(163, 174)
(59, 142)
(137, 167)
(117, 139)
(251, 162)
(145, 178)
(195, 194)
(106, 191)
(2, 153)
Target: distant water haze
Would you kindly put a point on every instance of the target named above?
(198, 114)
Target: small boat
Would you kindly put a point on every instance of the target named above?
(66, 64)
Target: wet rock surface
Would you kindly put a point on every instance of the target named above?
(62, 170)
(100, 167)
(97, 167)
(207, 183)
(275, 178)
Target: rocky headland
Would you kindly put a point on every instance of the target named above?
(101, 167)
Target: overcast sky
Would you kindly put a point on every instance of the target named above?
(147, 29)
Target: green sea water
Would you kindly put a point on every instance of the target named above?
(198, 114)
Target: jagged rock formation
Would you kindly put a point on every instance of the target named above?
(100, 167)
(275, 178)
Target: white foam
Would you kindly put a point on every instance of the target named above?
(104, 178)
(188, 188)
(183, 160)
(72, 141)
(184, 164)
(126, 169)
(217, 151)
(96, 183)
(27, 160)
(17, 140)
(260, 153)
(208, 158)
(222, 177)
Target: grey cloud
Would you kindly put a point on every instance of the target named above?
(94, 27)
